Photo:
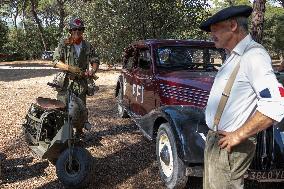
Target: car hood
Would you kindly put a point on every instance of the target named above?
(202, 80)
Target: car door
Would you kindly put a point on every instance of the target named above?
(129, 63)
(143, 87)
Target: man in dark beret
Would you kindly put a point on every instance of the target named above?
(236, 112)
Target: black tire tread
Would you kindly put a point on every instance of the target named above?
(85, 159)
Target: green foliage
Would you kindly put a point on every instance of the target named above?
(273, 30)
(27, 43)
(220, 4)
(112, 25)
(279, 39)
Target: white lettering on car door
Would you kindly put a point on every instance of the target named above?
(137, 91)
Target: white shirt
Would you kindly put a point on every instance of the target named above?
(78, 48)
(255, 88)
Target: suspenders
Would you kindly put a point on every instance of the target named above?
(225, 96)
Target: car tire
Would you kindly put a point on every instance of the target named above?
(171, 167)
(122, 113)
(79, 175)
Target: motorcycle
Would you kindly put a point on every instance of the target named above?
(50, 128)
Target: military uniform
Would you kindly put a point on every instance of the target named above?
(67, 54)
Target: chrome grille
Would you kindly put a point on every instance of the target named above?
(186, 94)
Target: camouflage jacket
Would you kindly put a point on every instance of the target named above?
(68, 55)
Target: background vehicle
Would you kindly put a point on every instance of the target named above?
(47, 55)
(164, 87)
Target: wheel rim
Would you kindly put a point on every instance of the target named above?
(74, 169)
(166, 155)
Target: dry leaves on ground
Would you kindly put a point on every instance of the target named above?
(123, 158)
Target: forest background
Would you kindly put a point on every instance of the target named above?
(29, 27)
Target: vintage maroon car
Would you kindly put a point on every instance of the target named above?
(164, 86)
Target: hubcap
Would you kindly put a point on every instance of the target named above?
(74, 169)
(166, 155)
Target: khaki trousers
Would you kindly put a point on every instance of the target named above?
(223, 170)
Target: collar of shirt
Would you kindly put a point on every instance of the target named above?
(78, 48)
(242, 45)
(239, 50)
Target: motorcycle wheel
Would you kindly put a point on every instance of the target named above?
(77, 175)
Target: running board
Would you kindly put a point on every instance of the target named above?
(196, 171)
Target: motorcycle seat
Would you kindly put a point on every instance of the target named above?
(50, 104)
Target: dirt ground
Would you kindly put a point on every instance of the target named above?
(123, 158)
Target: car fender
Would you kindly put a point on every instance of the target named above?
(188, 126)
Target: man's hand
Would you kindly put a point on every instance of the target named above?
(88, 73)
(229, 140)
(255, 124)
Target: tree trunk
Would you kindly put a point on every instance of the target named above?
(258, 19)
(38, 22)
(61, 14)
(15, 17)
(24, 6)
(281, 56)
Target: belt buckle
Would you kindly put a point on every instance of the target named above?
(215, 128)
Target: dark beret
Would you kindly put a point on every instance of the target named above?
(225, 14)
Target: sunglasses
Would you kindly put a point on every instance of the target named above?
(77, 29)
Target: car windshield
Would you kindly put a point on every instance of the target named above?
(185, 57)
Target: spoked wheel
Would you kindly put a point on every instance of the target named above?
(122, 113)
(171, 167)
(74, 171)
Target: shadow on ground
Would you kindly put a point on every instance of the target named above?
(14, 170)
(19, 74)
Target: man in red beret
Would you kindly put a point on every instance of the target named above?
(245, 99)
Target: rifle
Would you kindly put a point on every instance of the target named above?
(72, 69)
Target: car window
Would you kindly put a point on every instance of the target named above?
(188, 57)
(174, 56)
(130, 62)
(129, 58)
(144, 61)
